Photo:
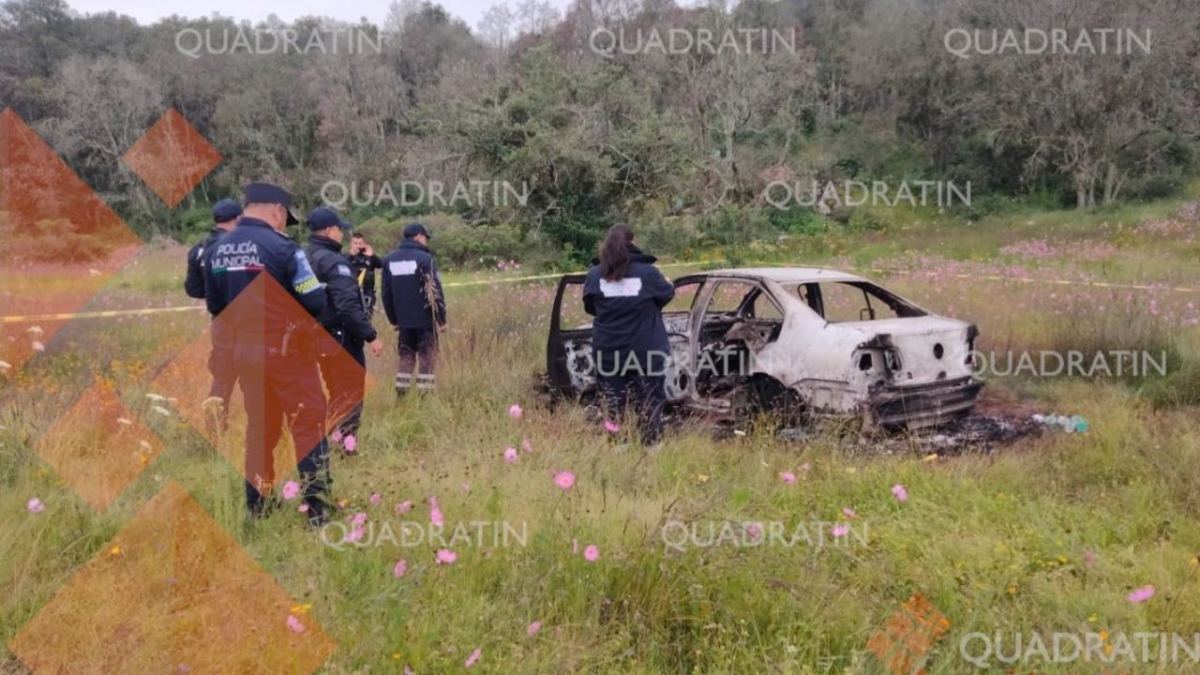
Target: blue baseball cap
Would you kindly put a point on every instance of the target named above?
(226, 210)
(413, 229)
(324, 217)
(267, 193)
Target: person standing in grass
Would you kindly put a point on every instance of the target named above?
(364, 262)
(346, 322)
(415, 306)
(625, 293)
(262, 287)
(225, 216)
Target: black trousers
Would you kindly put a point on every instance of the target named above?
(417, 349)
(644, 386)
(220, 362)
(282, 387)
(345, 379)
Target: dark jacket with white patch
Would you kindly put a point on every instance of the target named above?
(193, 284)
(253, 248)
(410, 278)
(629, 311)
(344, 308)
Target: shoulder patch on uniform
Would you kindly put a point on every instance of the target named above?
(344, 270)
(402, 268)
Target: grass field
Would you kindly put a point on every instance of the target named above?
(1049, 535)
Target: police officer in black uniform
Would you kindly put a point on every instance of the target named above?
(364, 262)
(220, 359)
(345, 319)
(626, 294)
(415, 306)
(275, 359)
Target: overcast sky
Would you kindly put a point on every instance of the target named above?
(149, 11)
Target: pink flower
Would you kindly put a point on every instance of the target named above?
(400, 568)
(526, 445)
(533, 628)
(899, 493)
(840, 530)
(354, 535)
(350, 443)
(473, 658)
(435, 514)
(564, 479)
(375, 498)
(515, 411)
(294, 624)
(510, 455)
(755, 530)
(849, 512)
(35, 505)
(1141, 594)
(290, 490)
(611, 426)
(336, 436)
(591, 553)
(303, 508)
(446, 557)
(787, 477)
(358, 520)
(403, 507)
(1089, 557)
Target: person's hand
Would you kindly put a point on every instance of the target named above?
(368, 250)
(376, 346)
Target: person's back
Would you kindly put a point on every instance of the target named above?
(628, 311)
(249, 250)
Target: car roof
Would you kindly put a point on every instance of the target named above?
(787, 274)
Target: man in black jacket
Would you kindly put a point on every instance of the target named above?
(364, 262)
(346, 322)
(415, 306)
(220, 360)
(260, 284)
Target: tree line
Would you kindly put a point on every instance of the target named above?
(615, 109)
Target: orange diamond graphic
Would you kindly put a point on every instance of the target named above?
(172, 592)
(172, 157)
(186, 378)
(98, 447)
(64, 242)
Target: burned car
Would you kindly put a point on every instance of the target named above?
(813, 341)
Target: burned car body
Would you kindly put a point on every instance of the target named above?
(828, 342)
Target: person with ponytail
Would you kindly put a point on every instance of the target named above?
(625, 293)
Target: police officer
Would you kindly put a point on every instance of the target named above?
(626, 294)
(415, 306)
(275, 359)
(364, 262)
(347, 325)
(220, 359)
